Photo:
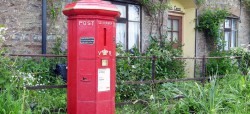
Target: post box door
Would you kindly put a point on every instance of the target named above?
(86, 38)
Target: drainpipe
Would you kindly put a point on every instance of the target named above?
(44, 26)
(240, 10)
(196, 34)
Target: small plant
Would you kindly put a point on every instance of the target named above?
(2, 33)
(246, 3)
(199, 2)
(55, 8)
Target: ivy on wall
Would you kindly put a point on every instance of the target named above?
(199, 2)
(209, 24)
(246, 3)
(55, 8)
(156, 10)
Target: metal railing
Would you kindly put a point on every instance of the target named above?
(153, 72)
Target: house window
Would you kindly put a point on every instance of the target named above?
(128, 26)
(230, 33)
(174, 29)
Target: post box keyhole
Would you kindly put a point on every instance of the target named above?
(84, 78)
(105, 37)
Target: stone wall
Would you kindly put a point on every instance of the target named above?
(234, 7)
(23, 18)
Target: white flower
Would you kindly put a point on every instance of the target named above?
(242, 45)
(152, 97)
(2, 32)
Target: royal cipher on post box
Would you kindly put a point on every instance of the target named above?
(91, 57)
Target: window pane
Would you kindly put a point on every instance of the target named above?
(227, 23)
(121, 34)
(169, 25)
(175, 25)
(227, 35)
(175, 36)
(233, 40)
(134, 12)
(169, 36)
(122, 10)
(234, 24)
(134, 34)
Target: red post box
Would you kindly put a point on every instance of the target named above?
(91, 57)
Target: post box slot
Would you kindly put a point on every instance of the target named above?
(105, 37)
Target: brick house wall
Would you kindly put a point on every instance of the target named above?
(23, 18)
(235, 8)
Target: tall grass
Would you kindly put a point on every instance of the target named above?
(218, 96)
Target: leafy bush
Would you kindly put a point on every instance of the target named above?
(244, 61)
(140, 69)
(16, 73)
(221, 66)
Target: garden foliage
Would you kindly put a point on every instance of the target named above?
(218, 96)
(228, 95)
(140, 69)
(244, 61)
(16, 73)
(221, 66)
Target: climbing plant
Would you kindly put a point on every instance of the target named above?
(246, 3)
(209, 24)
(199, 2)
(55, 8)
(156, 10)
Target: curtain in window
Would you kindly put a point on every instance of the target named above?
(122, 10)
(227, 36)
(121, 34)
(134, 13)
(133, 26)
(134, 34)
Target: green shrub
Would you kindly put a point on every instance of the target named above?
(140, 69)
(16, 73)
(244, 61)
(221, 66)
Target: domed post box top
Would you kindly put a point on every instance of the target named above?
(91, 7)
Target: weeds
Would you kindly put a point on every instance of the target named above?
(228, 95)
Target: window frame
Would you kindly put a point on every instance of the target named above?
(126, 21)
(230, 30)
(179, 18)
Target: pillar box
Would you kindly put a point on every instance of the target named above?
(91, 57)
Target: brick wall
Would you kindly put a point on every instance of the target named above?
(233, 6)
(23, 20)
